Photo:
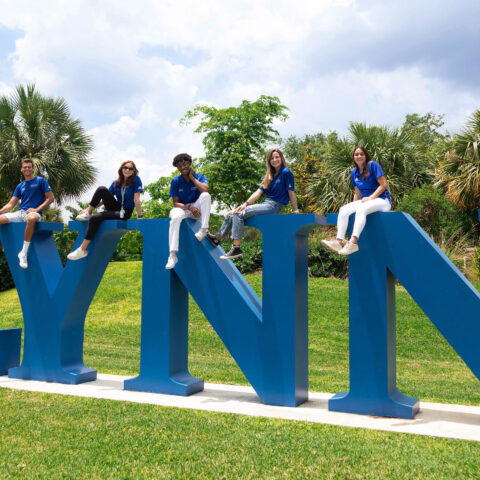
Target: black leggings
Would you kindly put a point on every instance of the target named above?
(112, 211)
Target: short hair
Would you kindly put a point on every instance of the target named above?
(181, 157)
(26, 160)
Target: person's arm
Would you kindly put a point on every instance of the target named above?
(11, 204)
(382, 186)
(293, 201)
(252, 199)
(138, 205)
(186, 206)
(357, 195)
(202, 187)
(49, 198)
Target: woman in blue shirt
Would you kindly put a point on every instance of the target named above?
(279, 188)
(371, 195)
(119, 201)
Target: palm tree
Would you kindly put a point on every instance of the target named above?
(42, 128)
(393, 148)
(459, 172)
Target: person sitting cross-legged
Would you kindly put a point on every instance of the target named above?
(34, 194)
(191, 199)
(278, 185)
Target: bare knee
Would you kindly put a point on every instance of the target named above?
(32, 218)
(3, 220)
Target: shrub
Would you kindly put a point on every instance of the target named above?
(6, 280)
(436, 214)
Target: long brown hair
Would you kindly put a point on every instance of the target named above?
(121, 177)
(364, 173)
(270, 173)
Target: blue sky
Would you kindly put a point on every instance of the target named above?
(130, 70)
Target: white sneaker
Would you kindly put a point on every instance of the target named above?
(201, 234)
(348, 248)
(77, 254)
(84, 217)
(22, 260)
(172, 261)
(332, 245)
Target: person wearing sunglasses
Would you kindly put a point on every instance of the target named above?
(189, 192)
(119, 201)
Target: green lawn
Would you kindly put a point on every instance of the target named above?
(61, 437)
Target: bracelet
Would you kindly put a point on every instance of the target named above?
(246, 203)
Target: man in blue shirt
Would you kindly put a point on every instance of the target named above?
(34, 194)
(191, 199)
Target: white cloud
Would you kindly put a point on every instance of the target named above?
(130, 70)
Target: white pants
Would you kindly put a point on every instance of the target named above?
(178, 214)
(361, 211)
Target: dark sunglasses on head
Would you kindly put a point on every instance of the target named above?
(128, 168)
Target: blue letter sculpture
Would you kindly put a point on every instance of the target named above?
(268, 338)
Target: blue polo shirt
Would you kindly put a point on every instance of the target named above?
(282, 182)
(368, 185)
(187, 192)
(130, 191)
(32, 193)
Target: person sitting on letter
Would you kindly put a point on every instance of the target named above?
(34, 194)
(191, 199)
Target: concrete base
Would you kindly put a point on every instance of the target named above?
(434, 419)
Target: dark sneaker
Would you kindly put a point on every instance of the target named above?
(234, 252)
(213, 239)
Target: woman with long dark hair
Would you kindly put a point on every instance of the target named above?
(119, 201)
(371, 195)
(279, 188)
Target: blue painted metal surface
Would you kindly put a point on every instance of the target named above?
(268, 339)
(55, 300)
(393, 244)
(10, 343)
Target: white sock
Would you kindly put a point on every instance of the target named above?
(25, 248)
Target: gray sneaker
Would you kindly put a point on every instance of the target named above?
(234, 252)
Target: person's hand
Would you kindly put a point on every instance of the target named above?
(240, 208)
(365, 199)
(32, 210)
(196, 212)
(191, 174)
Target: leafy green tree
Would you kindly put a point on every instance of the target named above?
(160, 203)
(459, 172)
(42, 128)
(235, 140)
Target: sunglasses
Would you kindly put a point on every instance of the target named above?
(128, 168)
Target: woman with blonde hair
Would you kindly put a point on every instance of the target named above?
(278, 186)
(119, 201)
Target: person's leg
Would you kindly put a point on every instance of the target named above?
(31, 220)
(343, 216)
(93, 224)
(203, 203)
(101, 194)
(266, 208)
(375, 205)
(176, 217)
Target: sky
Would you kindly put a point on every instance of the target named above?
(130, 70)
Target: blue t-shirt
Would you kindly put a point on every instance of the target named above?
(32, 193)
(130, 191)
(368, 185)
(187, 192)
(282, 182)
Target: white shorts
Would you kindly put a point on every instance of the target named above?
(18, 216)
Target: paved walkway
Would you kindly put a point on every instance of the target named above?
(435, 419)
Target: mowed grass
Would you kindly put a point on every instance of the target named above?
(50, 436)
